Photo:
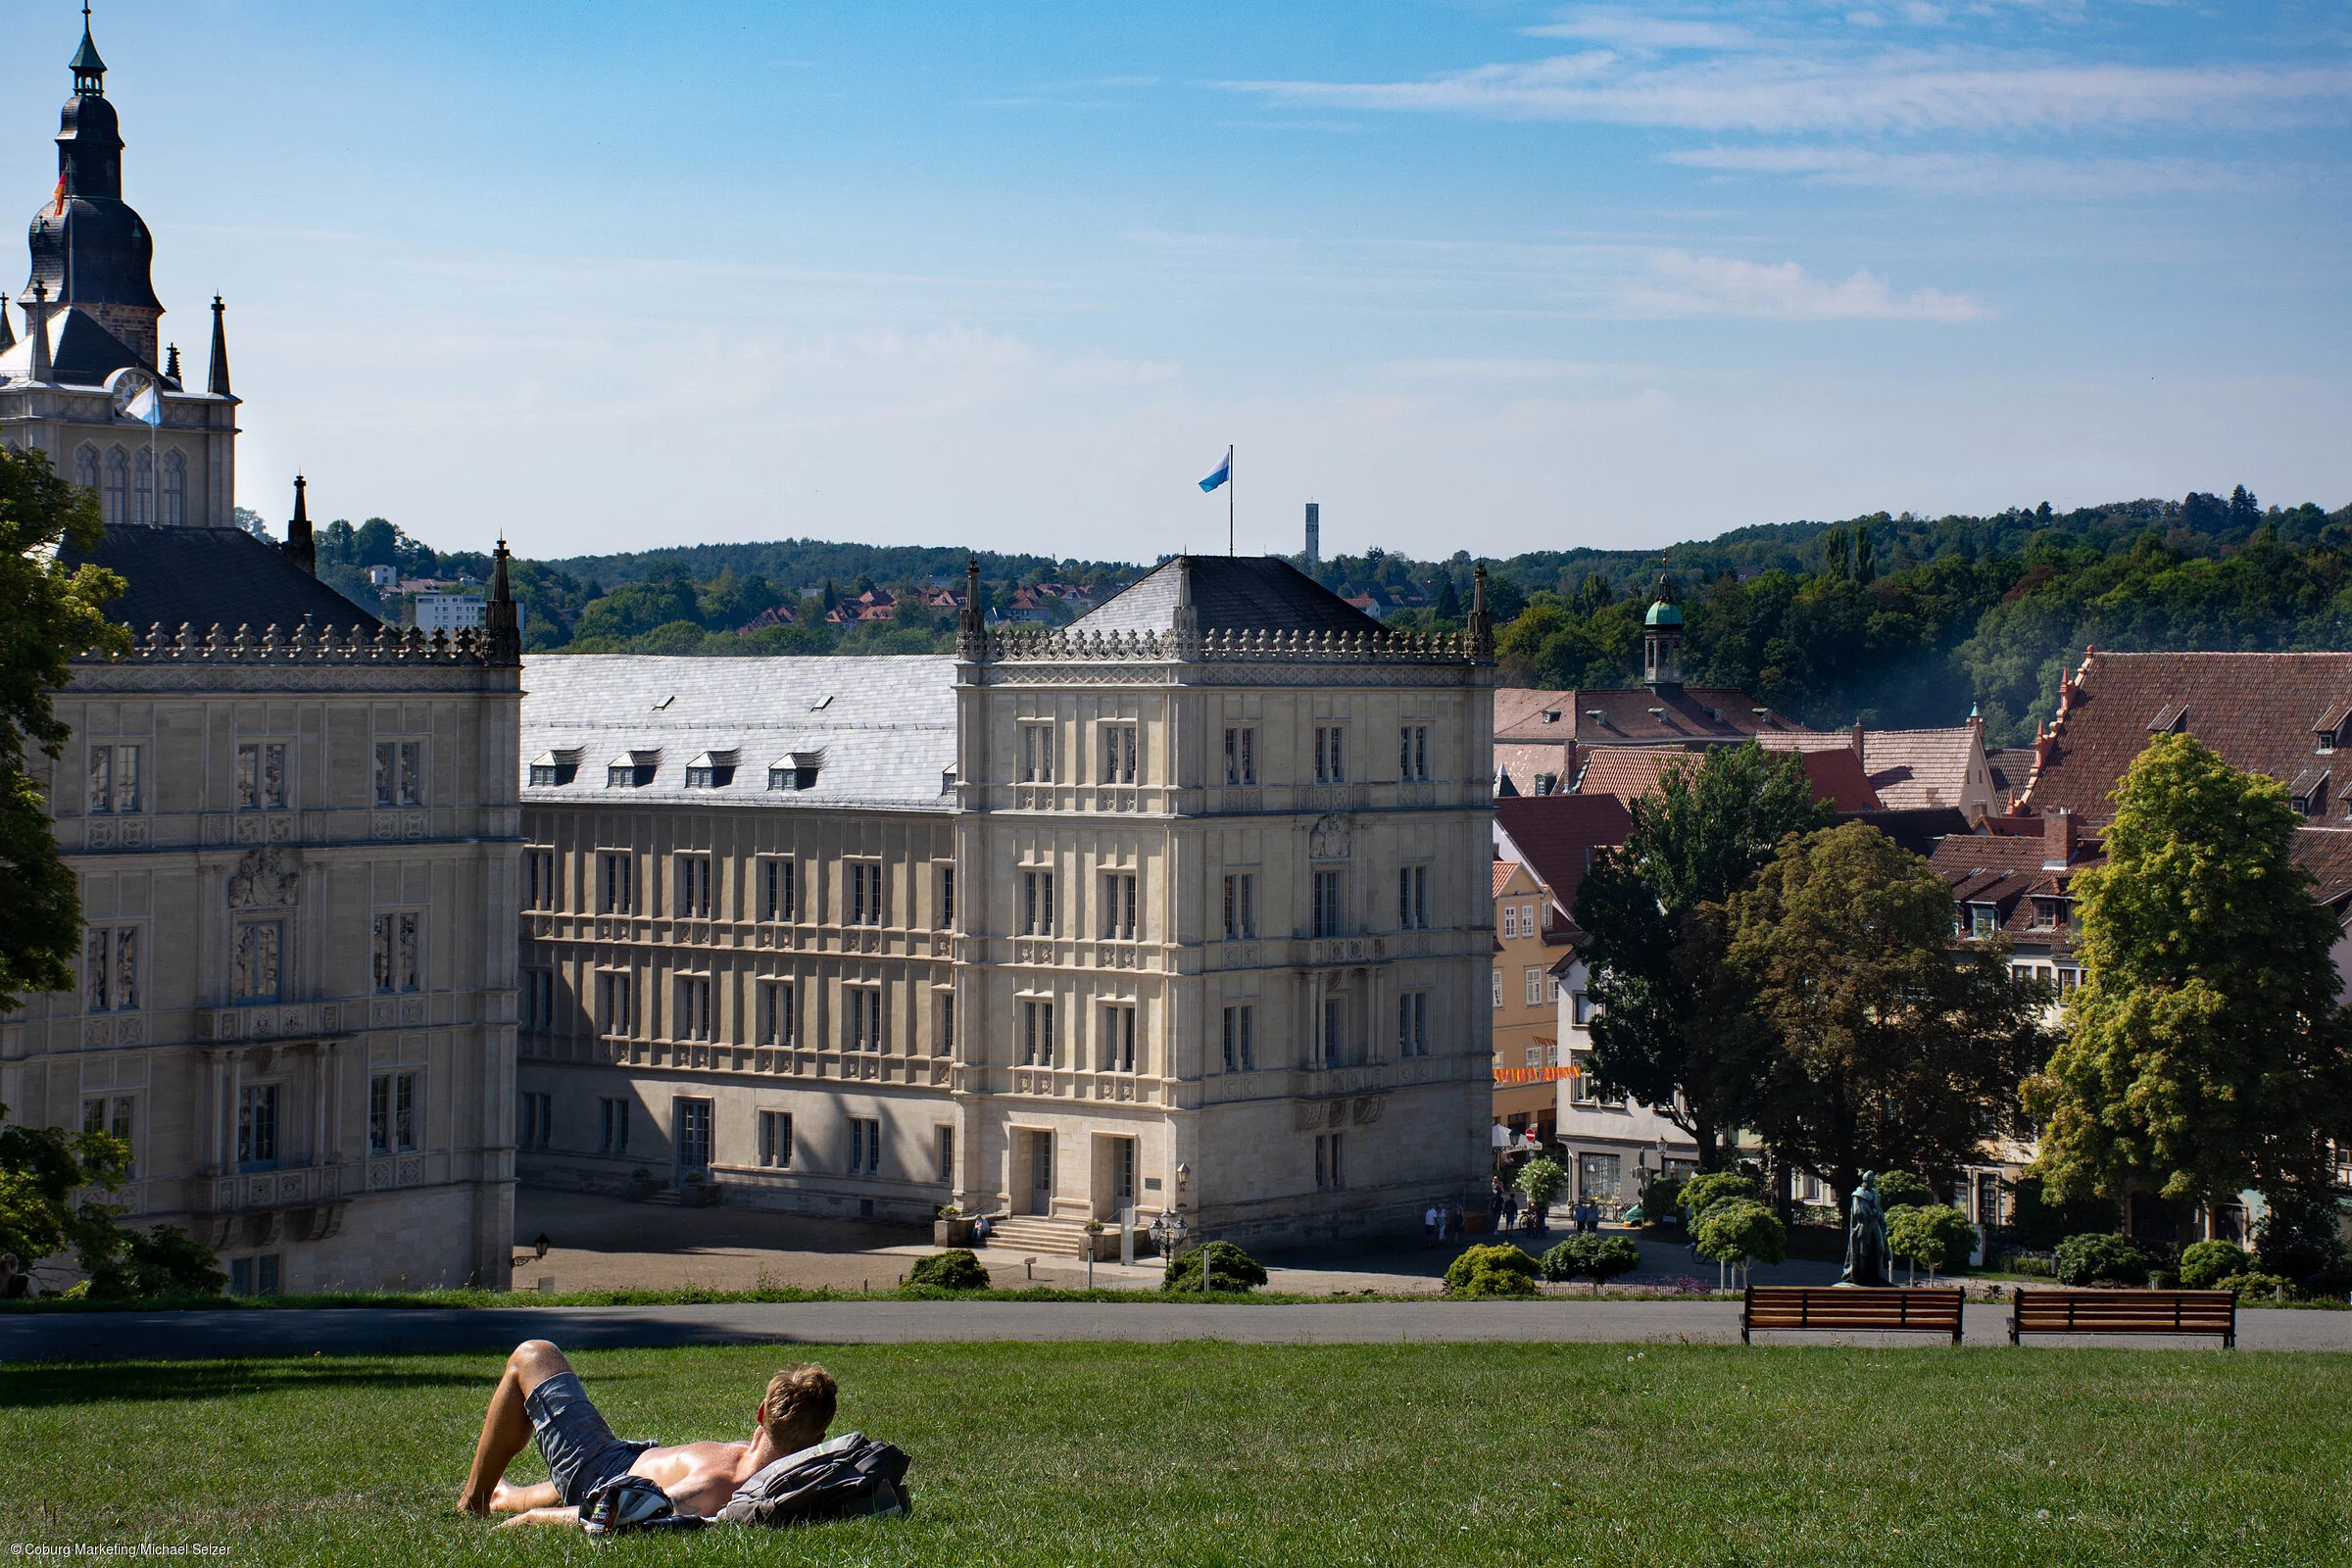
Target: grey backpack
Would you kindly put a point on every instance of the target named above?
(851, 1477)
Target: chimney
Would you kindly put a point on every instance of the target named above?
(1314, 536)
(2057, 841)
(1856, 741)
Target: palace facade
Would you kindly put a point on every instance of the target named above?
(1183, 910)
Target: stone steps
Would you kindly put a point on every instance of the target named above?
(1035, 1233)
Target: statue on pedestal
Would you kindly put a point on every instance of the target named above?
(1866, 1258)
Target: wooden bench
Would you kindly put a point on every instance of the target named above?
(2054, 1311)
(1849, 1308)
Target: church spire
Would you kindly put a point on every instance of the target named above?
(36, 328)
(89, 71)
(216, 383)
(7, 339)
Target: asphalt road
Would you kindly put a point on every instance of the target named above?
(368, 1331)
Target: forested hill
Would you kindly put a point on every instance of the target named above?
(1896, 621)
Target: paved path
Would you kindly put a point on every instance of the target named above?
(368, 1331)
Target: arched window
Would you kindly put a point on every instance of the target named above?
(175, 490)
(85, 468)
(115, 500)
(142, 486)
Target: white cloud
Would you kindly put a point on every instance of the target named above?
(1890, 90)
(1679, 284)
(1988, 174)
(1646, 33)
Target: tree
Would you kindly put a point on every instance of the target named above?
(1740, 1231)
(49, 612)
(1666, 1026)
(2205, 1052)
(1702, 1193)
(1498, 1270)
(1935, 1234)
(1899, 1189)
(1229, 1269)
(42, 1169)
(1889, 1045)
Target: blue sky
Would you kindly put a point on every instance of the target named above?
(1476, 275)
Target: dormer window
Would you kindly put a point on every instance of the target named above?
(2050, 913)
(795, 770)
(555, 767)
(1983, 920)
(631, 771)
(1551, 716)
(2309, 792)
(2327, 730)
(713, 770)
(2170, 719)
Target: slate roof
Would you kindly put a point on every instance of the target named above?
(213, 576)
(1620, 716)
(1630, 773)
(1919, 829)
(1555, 836)
(885, 724)
(1230, 593)
(81, 353)
(2258, 710)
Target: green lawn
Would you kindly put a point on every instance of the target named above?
(1213, 1454)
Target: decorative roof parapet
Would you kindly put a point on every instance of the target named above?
(1228, 644)
(388, 645)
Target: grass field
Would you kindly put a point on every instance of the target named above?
(1215, 1454)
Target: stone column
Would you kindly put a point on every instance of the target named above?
(234, 1107)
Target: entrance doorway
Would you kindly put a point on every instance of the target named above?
(690, 1120)
(1041, 1172)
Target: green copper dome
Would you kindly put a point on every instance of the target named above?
(1662, 613)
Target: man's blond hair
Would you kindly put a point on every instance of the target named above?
(800, 1403)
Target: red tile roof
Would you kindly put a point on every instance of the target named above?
(1555, 835)
(1503, 870)
(1621, 715)
(1630, 773)
(2258, 710)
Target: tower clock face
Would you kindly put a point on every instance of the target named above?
(129, 384)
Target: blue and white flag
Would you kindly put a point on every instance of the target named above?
(1223, 472)
(147, 408)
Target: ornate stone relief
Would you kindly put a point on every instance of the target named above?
(262, 880)
(1330, 839)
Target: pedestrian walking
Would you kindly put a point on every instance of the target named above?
(1456, 1216)
(1429, 1227)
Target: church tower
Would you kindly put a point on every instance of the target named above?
(90, 344)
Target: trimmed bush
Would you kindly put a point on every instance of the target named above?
(2033, 1264)
(1502, 1270)
(1935, 1237)
(2100, 1259)
(1596, 1258)
(1702, 1193)
(1662, 1199)
(2204, 1264)
(955, 1269)
(1741, 1230)
(2254, 1284)
(1229, 1269)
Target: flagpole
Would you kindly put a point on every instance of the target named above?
(1229, 500)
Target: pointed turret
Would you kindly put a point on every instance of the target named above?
(497, 616)
(299, 547)
(971, 631)
(36, 328)
(7, 339)
(171, 365)
(216, 378)
(1481, 626)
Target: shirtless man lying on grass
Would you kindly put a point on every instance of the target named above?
(540, 1395)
